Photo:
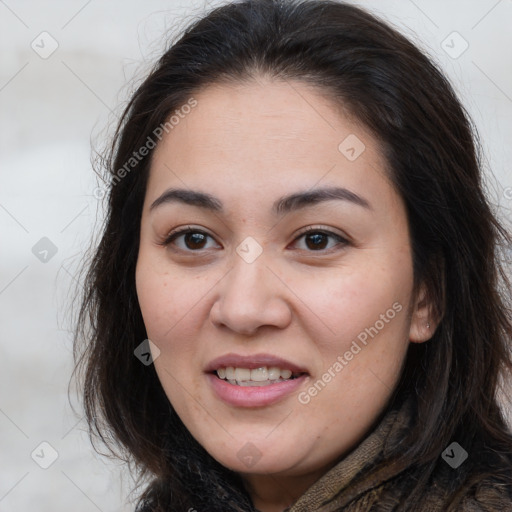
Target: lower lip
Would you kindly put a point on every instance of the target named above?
(254, 396)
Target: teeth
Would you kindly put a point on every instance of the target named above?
(274, 373)
(262, 376)
(242, 374)
(286, 374)
(250, 383)
(259, 374)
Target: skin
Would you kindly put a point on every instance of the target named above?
(248, 145)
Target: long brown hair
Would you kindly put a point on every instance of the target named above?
(431, 150)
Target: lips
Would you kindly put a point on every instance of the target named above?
(254, 394)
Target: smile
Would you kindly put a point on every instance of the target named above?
(256, 380)
(263, 376)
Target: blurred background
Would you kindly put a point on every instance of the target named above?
(67, 69)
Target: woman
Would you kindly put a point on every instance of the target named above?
(295, 304)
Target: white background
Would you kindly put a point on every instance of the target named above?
(50, 110)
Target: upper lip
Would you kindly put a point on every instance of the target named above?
(253, 361)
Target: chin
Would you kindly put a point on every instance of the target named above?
(256, 460)
(270, 467)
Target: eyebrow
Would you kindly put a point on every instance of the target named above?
(283, 205)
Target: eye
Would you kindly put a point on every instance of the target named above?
(316, 240)
(191, 239)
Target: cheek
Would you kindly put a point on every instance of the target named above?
(173, 307)
(153, 297)
(348, 300)
(163, 298)
(156, 296)
(362, 353)
(167, 311)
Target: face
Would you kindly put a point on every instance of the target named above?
(275, 277)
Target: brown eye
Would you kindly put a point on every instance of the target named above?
(188, 240)
(194, 240)
(316, 240)
(320, 240)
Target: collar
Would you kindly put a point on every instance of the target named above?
(338, 487)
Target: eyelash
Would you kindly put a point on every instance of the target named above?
(317, 230)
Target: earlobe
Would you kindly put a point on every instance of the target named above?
(423, 323)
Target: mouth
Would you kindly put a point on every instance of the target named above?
(254, 381)
(262, 376)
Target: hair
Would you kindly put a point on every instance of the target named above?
(430, 147)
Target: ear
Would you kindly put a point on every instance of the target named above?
(423, 321)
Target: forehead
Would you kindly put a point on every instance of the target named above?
(272, 115)
(266, 136)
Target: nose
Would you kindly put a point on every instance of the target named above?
(250, 296)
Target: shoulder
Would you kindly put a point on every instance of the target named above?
(482, 482)
(493, 494)
(487, 498)
(479, 491)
